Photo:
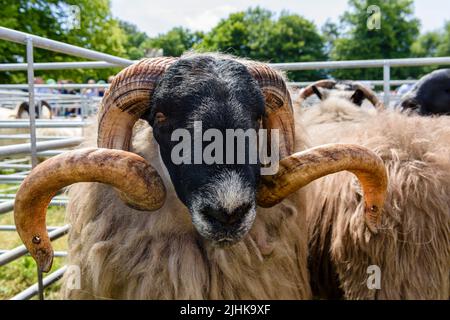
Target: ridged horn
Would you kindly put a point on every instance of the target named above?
(309, 90)
(139, 184)
(369, 94)
(24, 107)
(126, 101)
(304, 167)
(279, 113)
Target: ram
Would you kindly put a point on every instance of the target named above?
(216, 231)
(412, 248)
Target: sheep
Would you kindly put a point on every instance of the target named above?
(216, 232)
(21, 112)
(412, 248)
(430, 96)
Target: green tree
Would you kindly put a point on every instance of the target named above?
(98, 30)
(399, 29)
(444, 47)
(175, 42)
(330, 33)
(135, 40)
(257, 34)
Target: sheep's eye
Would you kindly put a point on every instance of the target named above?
(160, 117)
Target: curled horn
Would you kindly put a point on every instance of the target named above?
(24, 107)
(140, 187)
(126, 101)
(309, 90)
(304, 167)
(279, 113)
(299, 169)
(369, 94)
(138, 183)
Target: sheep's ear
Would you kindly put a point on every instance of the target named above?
(317, 92)
(358, 97)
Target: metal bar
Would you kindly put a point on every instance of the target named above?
(40, 146)
(6, 206)
(59, 65)
(10, 206)
(40, 42)
(31, 110)
(50, 153)
(11, 195)
(27, 136)
(352, 64)
(58, 254)
(55, 86)
(387, 85)
(47, 281)
(15, 166)
(20, 251)
(13, 188)
(13, 124)
(13, 228)
(371, 82)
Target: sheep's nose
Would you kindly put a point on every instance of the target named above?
(225, 216)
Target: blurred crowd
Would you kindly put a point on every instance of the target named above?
(96, 88)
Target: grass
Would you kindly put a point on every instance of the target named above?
(21, 273)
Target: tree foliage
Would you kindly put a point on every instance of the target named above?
(175, 42)
(50, 18)
(399, 29)
(258, 34)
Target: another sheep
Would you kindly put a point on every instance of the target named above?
(413, 247)
(430, 96)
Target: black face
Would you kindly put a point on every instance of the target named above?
(431, 95)
(25, 108)
(220, 94)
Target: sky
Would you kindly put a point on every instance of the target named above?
(159, 16)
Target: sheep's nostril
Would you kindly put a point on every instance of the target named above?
(239, 213)
(213, 214)
(225, 217)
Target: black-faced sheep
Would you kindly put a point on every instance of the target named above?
(217, 231)
(412, 248)
(430, 96)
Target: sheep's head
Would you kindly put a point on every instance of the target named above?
(354, 92)
(196, 98)
(23, 111)
(173, 94)
(431, 95)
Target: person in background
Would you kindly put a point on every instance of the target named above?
(101, 90)
(39, 81)
(91, 92)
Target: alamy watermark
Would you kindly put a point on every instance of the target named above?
(73, 277)
(374, 279)
(73, 20)
(374, 19)
(234, 144)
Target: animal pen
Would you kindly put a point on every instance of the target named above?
(23, 157)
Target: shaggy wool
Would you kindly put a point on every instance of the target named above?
(412, 248)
